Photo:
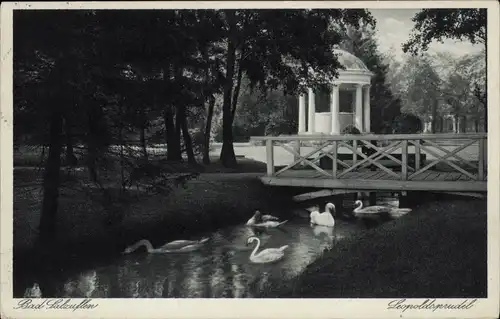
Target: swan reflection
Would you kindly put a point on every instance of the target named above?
(221, 269)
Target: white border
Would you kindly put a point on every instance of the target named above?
(251, 308)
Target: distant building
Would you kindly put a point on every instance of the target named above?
(348, 102)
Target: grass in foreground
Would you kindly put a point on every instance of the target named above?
(437, 251)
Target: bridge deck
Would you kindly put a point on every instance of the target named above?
(429, 180)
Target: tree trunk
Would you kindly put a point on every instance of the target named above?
(188, 143)
(177, 130)
(227, 155)
(173, 144)
(208, 130)
(51, 180)
(71, 159)
(476, 125)
(485, 116)
(122, 155)
(434, 116)
(236, 91)
(143, 143)
(92, 144)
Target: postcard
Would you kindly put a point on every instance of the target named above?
(259, 159)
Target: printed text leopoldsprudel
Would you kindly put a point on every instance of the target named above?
(58, 304)
(429, 304)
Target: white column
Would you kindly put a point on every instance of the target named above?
(334, 109)
(302, 113)
(367, 109)
(454, 121)
(359, 108)
(312, 112)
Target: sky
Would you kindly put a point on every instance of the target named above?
(394, 27)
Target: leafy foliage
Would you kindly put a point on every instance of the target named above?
(407, 124)
(439, 24)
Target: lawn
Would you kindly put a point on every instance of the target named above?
(437, 251)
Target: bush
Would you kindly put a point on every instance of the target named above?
(407, 124)
(351, 129)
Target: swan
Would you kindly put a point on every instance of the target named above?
(325, 218)
(269, 224)
(258, 217)
(268, 255)
(173, 246)
(319, 231)
(359, 211)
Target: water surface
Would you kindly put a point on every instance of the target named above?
(219, 269)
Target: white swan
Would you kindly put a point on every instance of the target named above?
(268, 255)
(174, 246)
(269, 224)
(370, 211)
(325, 218)
(319, 231)
(259, 218)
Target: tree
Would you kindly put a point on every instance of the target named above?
(439, 24)
(273, 48)
(461, 88)
(82, 73)
(421, 94)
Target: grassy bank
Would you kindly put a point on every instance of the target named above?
(437, 251)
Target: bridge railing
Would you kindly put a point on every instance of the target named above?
(463, 153)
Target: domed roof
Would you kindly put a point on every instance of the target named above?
(350, 61)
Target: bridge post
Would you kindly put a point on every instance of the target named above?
(404, 158)
(481, 157)
(270, 157)
(296, 148)
(334, 160)
(417, 155)
(354, 154)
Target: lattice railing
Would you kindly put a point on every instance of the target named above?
(368, 151)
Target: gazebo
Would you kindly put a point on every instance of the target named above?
(353, 81)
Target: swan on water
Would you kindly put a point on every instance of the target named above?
(171, 247)
(359, 211)
(319, 231)
(259, 218)
(325, 218)
(268, 255)
(370, 211)
(264, 221)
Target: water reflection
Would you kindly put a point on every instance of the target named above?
(220, 269)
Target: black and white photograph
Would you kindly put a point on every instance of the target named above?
(274, 151)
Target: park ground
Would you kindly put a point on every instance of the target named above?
(442, 243)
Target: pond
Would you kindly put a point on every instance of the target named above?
(219, 269)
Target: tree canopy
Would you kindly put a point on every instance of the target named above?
(439, 24)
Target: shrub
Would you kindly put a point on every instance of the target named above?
(351, 129)
(407, 124)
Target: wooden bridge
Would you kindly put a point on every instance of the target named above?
(424, 162)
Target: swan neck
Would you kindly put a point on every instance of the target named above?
(330, 208)
(143, 242)
(360, 205)
(254, 252)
